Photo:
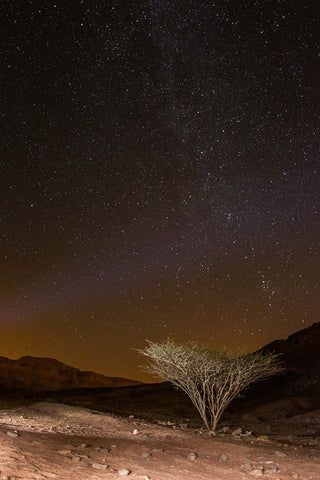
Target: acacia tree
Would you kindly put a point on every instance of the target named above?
(211, 379)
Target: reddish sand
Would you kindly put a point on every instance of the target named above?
(55, 441)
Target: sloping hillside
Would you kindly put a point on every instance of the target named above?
(47, 374)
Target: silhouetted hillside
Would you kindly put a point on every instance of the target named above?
(47, 374)
(300, 352)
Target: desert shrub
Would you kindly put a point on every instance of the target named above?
(211, 379)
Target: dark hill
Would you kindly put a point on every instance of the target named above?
(300, 352)
(35, 374)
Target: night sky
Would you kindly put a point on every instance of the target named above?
(159, 176)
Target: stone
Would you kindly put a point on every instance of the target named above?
(157, 450)
(280, 454)
(124, 472)
(192, 456)
(223, 458)
(263, 438)
(99, 466)
(135, 432)
(272, 469)
(145, 454)
(247, 465)
(295, 476)
(225, 430)
(83, 445)
(76, 458)
(256, 472)
(104, 450)
(13, 433)
(64, 452)
(236, 432)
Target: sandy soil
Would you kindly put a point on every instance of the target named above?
(55, 441)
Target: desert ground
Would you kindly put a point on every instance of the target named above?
(47, 440)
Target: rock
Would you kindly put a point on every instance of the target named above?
(13, 433)
(295, 476)
(225, 430)
(99, 466)
(236, 432)
(192, 456)
(83, 445)
(135, 432)
(64, 452)
(124, 472)
(76, 458)
(272, 469)
(280, 454)
(104, 450)
(246, 434)
(256, 472)
(223, 458)
(158, 450)
(131, 416)
(263, 438)
(145, 454)
(247, 465)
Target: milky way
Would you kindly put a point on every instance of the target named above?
(159, 176)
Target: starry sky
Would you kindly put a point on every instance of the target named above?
(159, 176)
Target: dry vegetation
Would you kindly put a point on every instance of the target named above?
(210, 379)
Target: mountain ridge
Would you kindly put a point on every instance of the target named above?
(300, 351)
(37, 374)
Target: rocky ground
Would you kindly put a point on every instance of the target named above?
(53, 441)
